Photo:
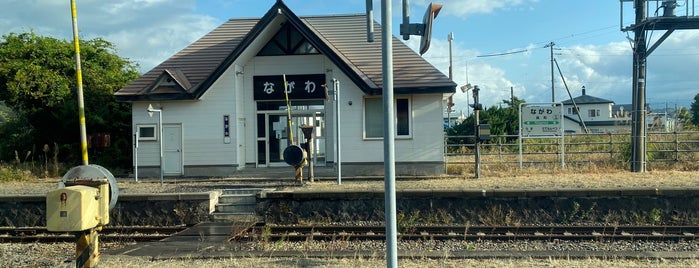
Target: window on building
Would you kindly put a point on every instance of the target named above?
(593, 112)
(373, 117)
(572, 110)
(146, 132)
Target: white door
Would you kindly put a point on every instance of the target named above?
(172, 150)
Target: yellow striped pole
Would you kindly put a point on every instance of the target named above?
(298, 170)
(86, 248)
(288, 111)
(78, 74)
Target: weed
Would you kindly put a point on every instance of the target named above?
(655, 216)
(496, 215)
(11, 173)
(266, 233)
(280, 243)
(407, 224)
(577, 214)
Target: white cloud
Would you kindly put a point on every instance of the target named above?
(492, 80)
(150, 31)
(469, 7)
(605, 71)
(145, 31)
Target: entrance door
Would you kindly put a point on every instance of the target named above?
(172, 150)
(273, 136)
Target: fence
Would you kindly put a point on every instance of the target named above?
(663, 150)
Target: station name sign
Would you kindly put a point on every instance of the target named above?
(299, 87)
(541, 121)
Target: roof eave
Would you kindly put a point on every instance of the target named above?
(426, 90)
(154, 97)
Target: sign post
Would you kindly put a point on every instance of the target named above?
(541, 120)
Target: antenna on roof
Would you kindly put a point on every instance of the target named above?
(369, 21)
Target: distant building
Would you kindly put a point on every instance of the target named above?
(604, 116)
(454, 118)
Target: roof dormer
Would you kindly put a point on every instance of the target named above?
(170, 81)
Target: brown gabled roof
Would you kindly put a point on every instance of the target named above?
(341, 38)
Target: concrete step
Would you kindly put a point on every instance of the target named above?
(235, 204)
(234, 217)
(237, 198)
(243, 190)
(248, 208)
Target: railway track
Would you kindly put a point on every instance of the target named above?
(601, 233)
(356, 233)
(108, 234)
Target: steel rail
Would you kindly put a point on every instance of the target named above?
(110, 233)
(298, 233)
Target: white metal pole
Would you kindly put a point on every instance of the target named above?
(135, 155)
(152, 110)
(389, 130)
(338, 146)
(160, 124)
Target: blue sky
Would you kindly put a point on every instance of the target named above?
(590, 48)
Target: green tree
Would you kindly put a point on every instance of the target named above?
(37, 82)
(695, 110)
(684, 118)
(502, 121)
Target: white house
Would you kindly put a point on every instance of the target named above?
(223, 105)
(598, 115)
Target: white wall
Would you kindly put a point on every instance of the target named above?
(202, 120)
(202, 125)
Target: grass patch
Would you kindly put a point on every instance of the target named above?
(11, 173)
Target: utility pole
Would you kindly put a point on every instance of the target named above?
(553, 94)
(638, 113)
(476, 129)
(669, 22)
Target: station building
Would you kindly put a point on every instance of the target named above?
(222, 108)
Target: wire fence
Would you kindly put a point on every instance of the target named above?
(664, 150)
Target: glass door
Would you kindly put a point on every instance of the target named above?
(273, 136)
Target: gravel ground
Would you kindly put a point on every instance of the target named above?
(54, 255)
(514, 180)
(60, 255)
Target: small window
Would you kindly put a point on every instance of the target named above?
(373, 117)
(402, 117)
(146, 133)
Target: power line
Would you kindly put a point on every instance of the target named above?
(502, 54)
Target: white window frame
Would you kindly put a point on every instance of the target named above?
(147, 138)
(380, 116)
